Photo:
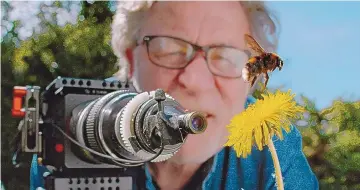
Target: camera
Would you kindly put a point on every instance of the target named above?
(98, 134)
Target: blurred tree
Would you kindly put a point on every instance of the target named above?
(8, 124)
(99, 11)
(331, 141)
(80, 50)
(74, 50)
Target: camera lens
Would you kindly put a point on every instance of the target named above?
(198, 123)
(119, 124)
(195, 122)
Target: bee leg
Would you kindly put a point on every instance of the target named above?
(253, 81)
(266, 79)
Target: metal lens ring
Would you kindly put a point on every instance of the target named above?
(197, 122)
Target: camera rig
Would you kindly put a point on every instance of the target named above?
(97, 134)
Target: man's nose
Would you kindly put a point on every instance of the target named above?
(197, 76)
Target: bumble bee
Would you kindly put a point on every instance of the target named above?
(262, 63)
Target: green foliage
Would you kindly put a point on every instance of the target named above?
(8, 125)
(73, 51)
(79, 50)
(331, 142)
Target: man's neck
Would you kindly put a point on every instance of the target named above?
(171, 176)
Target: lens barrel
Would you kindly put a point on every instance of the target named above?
(193, 122)
(121, 124)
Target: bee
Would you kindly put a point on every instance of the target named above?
(262, 63)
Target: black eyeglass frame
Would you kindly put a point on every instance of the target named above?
(196, 48)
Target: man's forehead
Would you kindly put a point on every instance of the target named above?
(173, 8)
(197, 22)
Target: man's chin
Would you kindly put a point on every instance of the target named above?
(192, 153)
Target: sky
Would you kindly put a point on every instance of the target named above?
(319, 42)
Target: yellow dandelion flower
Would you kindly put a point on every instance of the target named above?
(261, 120)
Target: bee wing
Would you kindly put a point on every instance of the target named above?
(253, 44)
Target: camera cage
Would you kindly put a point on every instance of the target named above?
(48, 119)
(51, 148)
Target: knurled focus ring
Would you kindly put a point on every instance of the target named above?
(90, 121)
(125, 133)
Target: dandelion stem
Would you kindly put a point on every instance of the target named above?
(279, 180)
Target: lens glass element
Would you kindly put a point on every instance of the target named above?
(198, 123)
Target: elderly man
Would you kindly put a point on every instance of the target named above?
(195, 51)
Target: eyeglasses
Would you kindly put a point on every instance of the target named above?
(175, 53)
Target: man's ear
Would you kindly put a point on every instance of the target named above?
(130, 57)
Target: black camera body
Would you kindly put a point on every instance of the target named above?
(61, 97)
(97, 134)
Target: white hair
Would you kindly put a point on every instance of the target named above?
(129, 15)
